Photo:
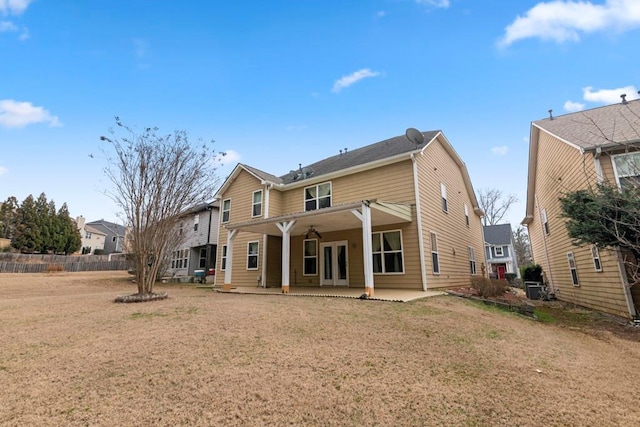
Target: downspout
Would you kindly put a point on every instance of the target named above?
(544, 244)
(416, 188)
(624, 279)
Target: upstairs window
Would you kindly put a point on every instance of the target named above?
(443, 193)
(545, 223)
(627, 170)
(196, 221)
(226, 210)
(317, 197)
(596, 258)
(499, 251)
(466, 214)
(256, 204)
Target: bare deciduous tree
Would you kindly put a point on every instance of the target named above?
(522, 246)
(494, 205)
(155, 178)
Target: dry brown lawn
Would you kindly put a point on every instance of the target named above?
(70, 356)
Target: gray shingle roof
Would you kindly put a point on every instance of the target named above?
(499, 234)
(608, 125)
(108, 228)
(263, 175)
(370, 153)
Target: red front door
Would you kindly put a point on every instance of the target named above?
(501, 270)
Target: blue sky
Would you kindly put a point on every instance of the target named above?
(280, 83)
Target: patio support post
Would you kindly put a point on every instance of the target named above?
(228, 267)
(286, 227)
(367, 250)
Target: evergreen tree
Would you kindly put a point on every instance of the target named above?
(8, 217)
(27, 237)
(71, 241)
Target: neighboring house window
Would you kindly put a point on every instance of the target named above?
(87, 235)
(466, 214)
(472, 260)
(627, 170)
(310, 254)
(573, 268)
(180, 259)
(223, 260)
(180, 230)
(203, 258)
(596, 258)
(196, 221)
(434, 254)
(226, 210)
(387, 252)
(443, 193)
(256, 206)
(317, 196)
(113, 239)
(545, 223)
(252, 255)
(499, 251)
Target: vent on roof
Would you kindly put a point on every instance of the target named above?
(624, 98)
(550, 114)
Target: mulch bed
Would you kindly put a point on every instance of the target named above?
(513, 299)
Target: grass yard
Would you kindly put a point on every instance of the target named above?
(70, 356)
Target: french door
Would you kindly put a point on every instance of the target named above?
(335, 265)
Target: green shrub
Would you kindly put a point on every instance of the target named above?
(488, 287)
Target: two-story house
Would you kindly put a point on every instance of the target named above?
(198, 235)
(568, 153)
(500, 252)
(92, 238)
(114, 235)
(395, 214)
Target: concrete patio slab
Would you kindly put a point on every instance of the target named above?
(397, 295)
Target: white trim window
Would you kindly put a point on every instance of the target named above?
(226, 210)
(545, 222)
(387, 252)
(466, 214)
(310, 255)
(573, 269)
(196, 221)
(595, 254)
(435, 258)
(202, 262)
(223, 258)
(180, 258)
(499, 251)
(317, 196)
(627, 170)
(252, 255)
(443, 193)
(256, 203)
(472, 261)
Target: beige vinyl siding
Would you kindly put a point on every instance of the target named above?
(275, 203)
(240, 191)
(562, 168)
(435, 166)
(390, 183)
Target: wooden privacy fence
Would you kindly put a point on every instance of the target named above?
(28, 263)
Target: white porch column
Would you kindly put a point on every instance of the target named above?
(227, 272)
(286, 227)
(367, 250)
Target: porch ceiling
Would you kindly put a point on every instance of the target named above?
(330, 219)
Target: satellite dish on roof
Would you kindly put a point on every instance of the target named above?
(415, 136)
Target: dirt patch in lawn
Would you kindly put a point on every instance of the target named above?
(71, 356)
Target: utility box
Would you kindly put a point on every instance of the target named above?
(199, 275)
(533, 289)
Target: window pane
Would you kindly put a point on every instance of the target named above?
(257, 210)
(325, 202)
(377, 263)
(252, 261)
(310, 193)
(393, 262)
(310, 266)
(436, 265)
(392, 241)
(310, 205)
(629, 164)
(324, 190)
(225, 216)
(434, 242)
(253, 248)
(257, 197)
(310, 248)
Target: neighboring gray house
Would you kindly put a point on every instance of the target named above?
(199, 226)
(499, 249)
(114, 235)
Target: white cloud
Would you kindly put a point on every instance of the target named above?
(565, 20)
(14, 114)
(500, 151)
(381, 13)
(609, 96)
(3, 170)
(6, 26)
(352, 78)
(13, 7)
(573, 106)
(229, 157)
(434, 3)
